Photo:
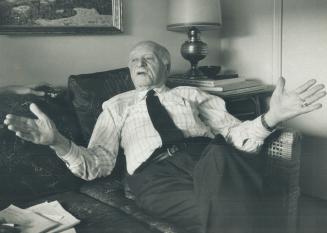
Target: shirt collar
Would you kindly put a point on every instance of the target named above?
(158, 90)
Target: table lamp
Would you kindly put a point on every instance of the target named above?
(194, 16)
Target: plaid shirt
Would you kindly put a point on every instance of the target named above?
(125, 121)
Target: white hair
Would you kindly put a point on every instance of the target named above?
(161, 52)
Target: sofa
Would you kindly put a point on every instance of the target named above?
(30, 174)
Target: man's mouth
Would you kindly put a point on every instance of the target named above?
(140, 72)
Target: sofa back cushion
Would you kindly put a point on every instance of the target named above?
(28, 170)
(89, 91)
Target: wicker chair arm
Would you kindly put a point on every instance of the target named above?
(282, 150)
(284, 144)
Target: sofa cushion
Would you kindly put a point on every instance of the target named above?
(111, 192)
(89, 91)
(95, 215)
(28, 170)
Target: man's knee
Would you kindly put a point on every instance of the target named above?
(212, 162)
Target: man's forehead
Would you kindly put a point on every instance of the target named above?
(143, 49)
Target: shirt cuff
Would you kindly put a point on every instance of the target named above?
(260, 131)
(71, 158)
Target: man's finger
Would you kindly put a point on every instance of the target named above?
(37, 112)
(21, 122)
(280, 85)
(315, 97)
(25, 136)
(310, 92)
(305, 86)
(311, 108)
(18, 129)
(14, 118)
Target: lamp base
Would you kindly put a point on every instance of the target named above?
(194, 74)
(194, 50)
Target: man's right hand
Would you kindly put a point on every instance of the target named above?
(39, 131)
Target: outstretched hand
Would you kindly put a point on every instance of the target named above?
(285, 105)
(39, 131)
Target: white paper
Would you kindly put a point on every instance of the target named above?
(71, 230)
(28, 221)
(53, 210)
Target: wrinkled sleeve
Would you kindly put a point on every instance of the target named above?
(247, 136)
(99, 158)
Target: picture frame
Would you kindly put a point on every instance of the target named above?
(61, 16)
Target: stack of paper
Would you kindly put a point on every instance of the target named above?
(239, 84)
(47, 217)
(28, 221)
(208, 82)
(54, 211)
(245, 85)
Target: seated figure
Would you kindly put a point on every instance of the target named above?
(184, 151)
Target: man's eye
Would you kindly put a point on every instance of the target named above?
(149, 58)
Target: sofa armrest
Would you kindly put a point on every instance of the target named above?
(28, 170)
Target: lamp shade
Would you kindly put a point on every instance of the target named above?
(202, 14)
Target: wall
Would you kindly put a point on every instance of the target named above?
(305, 56)
(247, 38)
(248, 45)
(34, 59)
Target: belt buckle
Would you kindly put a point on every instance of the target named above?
(173, 149)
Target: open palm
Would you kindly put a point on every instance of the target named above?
(285, 104)
(40, 131)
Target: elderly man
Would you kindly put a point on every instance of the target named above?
(176, 170)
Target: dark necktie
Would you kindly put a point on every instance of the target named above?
(161, 120)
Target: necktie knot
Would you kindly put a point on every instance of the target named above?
(150, 93)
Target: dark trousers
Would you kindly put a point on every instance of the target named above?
(204, 188)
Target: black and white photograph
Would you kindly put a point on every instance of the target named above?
(163, 116)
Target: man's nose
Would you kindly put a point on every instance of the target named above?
(141, 62)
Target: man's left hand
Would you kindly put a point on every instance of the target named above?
(285, 105)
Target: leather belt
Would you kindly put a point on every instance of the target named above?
(167, 151)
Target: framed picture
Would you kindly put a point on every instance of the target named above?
(60, 16)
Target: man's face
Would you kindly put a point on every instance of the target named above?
(147, 69)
